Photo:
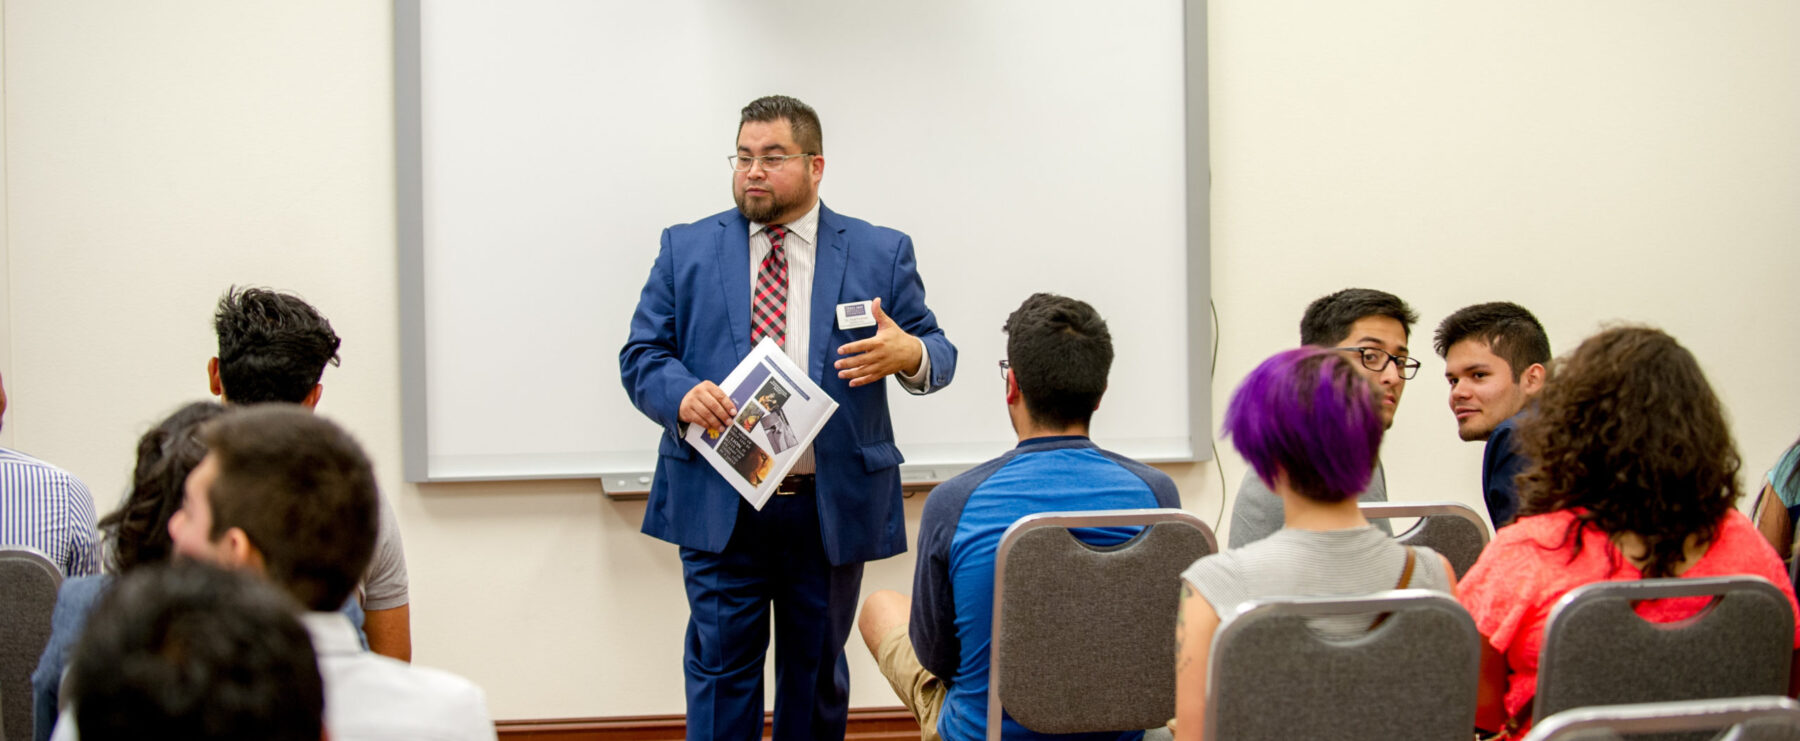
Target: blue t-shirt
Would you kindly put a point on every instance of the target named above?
(953, 585)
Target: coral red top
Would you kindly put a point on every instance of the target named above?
(1523, 572)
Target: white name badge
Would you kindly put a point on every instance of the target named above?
(856, 315)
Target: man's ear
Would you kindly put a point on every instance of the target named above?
(1012, 388)
(1532, 380)
(212, 378)
(312, 397)
(235, 548)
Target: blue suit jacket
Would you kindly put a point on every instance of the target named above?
(693, 323)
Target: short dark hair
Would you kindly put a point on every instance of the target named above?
(137, 533)
(1309, 413)
(1509, 330)
(1060, 352)
(1328, 319)
(802, 120)
(272, 346)
(303, 492)
(191, 651)
(1629, 432)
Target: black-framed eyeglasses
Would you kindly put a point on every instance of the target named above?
(770, 162)
(1005, 365)
(1377, 359)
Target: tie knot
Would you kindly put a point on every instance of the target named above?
(776, 233)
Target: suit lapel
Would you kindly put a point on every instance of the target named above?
(829, 263)
(733, 259)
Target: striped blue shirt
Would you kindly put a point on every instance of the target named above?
(43, 507)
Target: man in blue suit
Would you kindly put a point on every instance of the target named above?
(778, 266)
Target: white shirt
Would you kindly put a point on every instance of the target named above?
(802, 246)
(372, 697)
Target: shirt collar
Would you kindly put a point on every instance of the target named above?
(806, 227)
(331, 632)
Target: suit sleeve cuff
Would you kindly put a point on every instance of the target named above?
(917, 382)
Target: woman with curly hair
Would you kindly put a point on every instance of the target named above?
(1634, 477)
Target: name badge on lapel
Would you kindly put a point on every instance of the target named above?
(856, 315)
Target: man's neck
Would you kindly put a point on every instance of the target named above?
(1032, 432)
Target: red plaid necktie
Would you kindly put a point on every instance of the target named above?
(768, 306)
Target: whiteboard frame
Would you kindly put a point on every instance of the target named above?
(410, 238)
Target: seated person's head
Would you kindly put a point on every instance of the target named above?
(1630, 429)
(192, 652)
(137, 533)
(1308, 417)
(272, 347)
(1372, 328)
(285, 493)
(1058, 352)
(1496, 356)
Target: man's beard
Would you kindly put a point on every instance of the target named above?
(765, 210)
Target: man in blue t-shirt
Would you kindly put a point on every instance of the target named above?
(933, 647)
(1496, 357)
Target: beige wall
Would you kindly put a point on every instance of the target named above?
(156, 153)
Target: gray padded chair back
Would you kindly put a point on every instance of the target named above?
(1456, 531)
(1738, 646)
(1767, 718)
(29, 581)
(1084, 636)
(1272, 676)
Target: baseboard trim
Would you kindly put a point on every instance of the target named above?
(866, 724)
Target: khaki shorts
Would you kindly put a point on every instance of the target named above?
(919, 691)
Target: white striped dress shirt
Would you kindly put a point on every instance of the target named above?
(45, 508)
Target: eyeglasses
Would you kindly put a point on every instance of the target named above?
(1377, 359)
(1005, 365)
(770, 162)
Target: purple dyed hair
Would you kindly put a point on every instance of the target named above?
(1308, 412)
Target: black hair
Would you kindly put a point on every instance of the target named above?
(1060, 352)
(272, 346)
(1509, 330)
(802, 120)
(1328, 319)
(303, 492)
(137, 533)
(189, 651)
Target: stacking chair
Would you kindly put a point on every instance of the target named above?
(1454, 530)
(1271, 675)
(29, 581)
(1767, 718)
(1597, 651)
(1084, 636)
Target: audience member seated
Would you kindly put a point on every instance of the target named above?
(1310, 425)
(195, 653)
(291, 497)
(1371, 328)
(273, 347)
(933, 647)
(1778, 502)
(1633, 475)
(1495, 358)
(44, 508)
(136, 535)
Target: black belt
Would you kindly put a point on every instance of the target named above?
(797, 483)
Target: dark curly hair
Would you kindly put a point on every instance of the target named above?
(1630, 430)
(138, 531)
(273, 346)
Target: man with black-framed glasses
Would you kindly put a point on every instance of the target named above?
(843, 299)
(1372, 329)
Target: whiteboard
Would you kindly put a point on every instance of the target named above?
(1025, 146)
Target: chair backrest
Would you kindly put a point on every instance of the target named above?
(1767, 718)
(1454, 530)
(29, 581)
(1271, 675)
(1084, 636)
(1739, 645)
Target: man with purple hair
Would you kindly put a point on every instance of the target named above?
(1310, 425)
(1371, 328)
(933, 647)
